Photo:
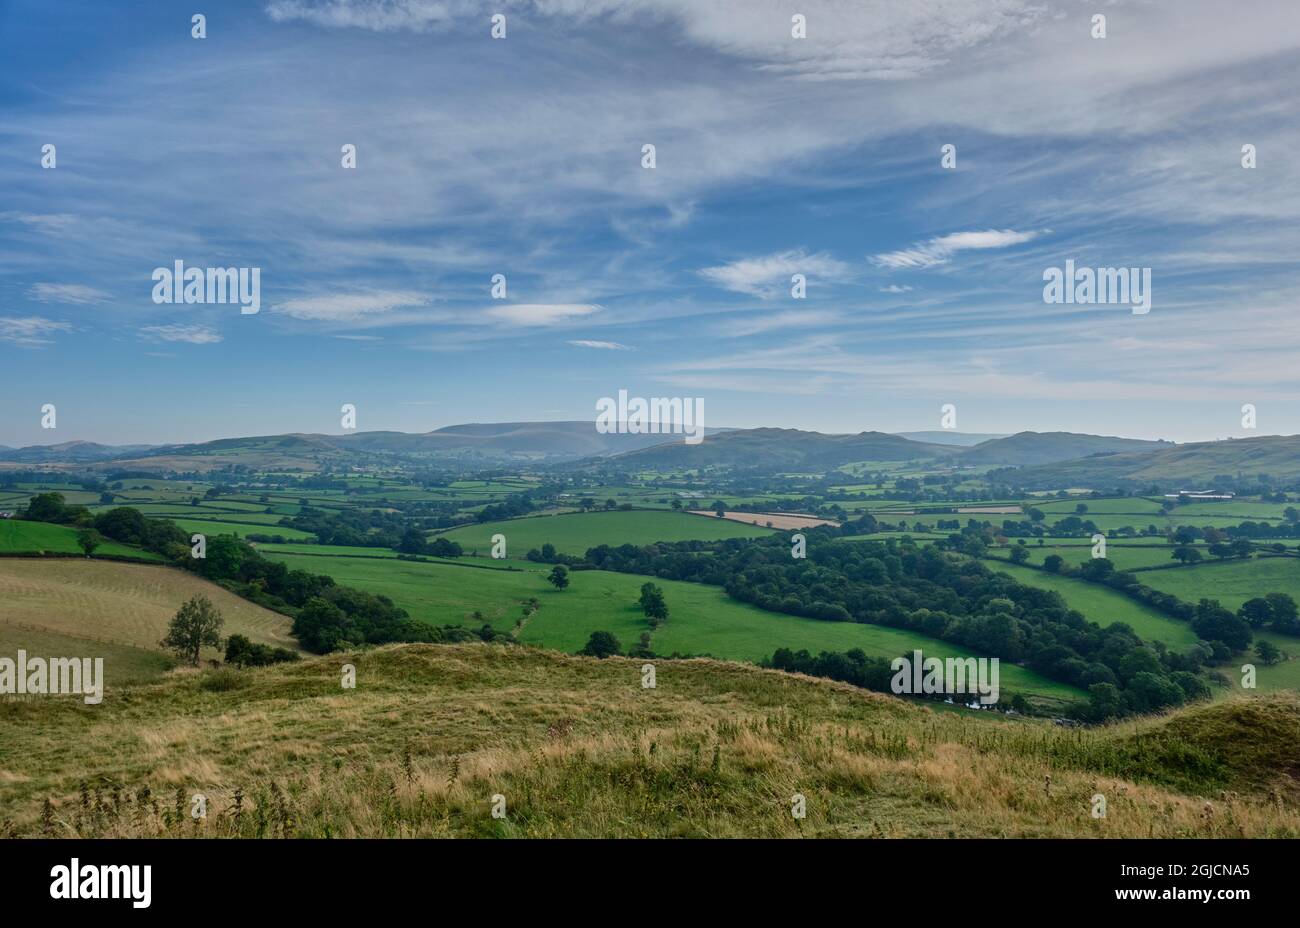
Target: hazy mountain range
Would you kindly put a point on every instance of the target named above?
(547, 442)
(1040, 459)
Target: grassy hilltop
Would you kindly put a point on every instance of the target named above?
(578, 748)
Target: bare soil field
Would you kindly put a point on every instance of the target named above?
(780, 520)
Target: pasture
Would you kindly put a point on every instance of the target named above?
(1231, 582)
(241, 529)
(20, 537)
(702, 619)
(1105, 606)
(574, 533)
(1123, 556)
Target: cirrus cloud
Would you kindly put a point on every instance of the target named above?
(540, 313)
(940, 250)
(767, 276)
(180, 332)
(347, 307)
(66, 293)
(30, 331)
(848, 39)
(605, 346)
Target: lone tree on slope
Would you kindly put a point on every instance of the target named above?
(197, 623)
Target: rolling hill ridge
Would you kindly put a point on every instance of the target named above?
(1195, 464)
(1034, 460)
(576, 747)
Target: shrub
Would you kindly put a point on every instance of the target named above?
(221, 680)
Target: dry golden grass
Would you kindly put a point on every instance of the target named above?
(577, 748)
(127, 604)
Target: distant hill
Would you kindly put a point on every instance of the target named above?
(485, 443)
(1025, 449)
(780, 450)
(946, 437)
(1196, 464)
(531, 439)
(68, 451)
(1042, 460)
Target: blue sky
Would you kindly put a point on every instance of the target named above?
(522, 156)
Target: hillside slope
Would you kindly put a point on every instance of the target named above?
(776, 450)
(577, 747)
(1026, 449)
(496, 441)
(75, 451)
(1194, 465)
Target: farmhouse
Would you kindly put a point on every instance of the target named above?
(1198, 494)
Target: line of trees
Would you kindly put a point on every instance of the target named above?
(326, 615)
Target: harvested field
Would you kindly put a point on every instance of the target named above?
(777, 520)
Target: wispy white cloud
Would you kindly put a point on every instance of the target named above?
(940, 250)
(375, 15)
(790, 319)
(606, 346)
(180, 332)
(845, 40)
(344, 307)
(526, 314)
(43, 222)
(66, 293)
(769, 275)
(30, 331)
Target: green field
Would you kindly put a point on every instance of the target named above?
(1106, 607)
(1230, 582)
(1059, 509)
(326, 551)
(1123, 556)
(703, 619)
(897, 536)
(574, 533)
(203, 512)
(1238, 509)
(1109, 515)
(240, 529)
(1284, 675)
(19, 537)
